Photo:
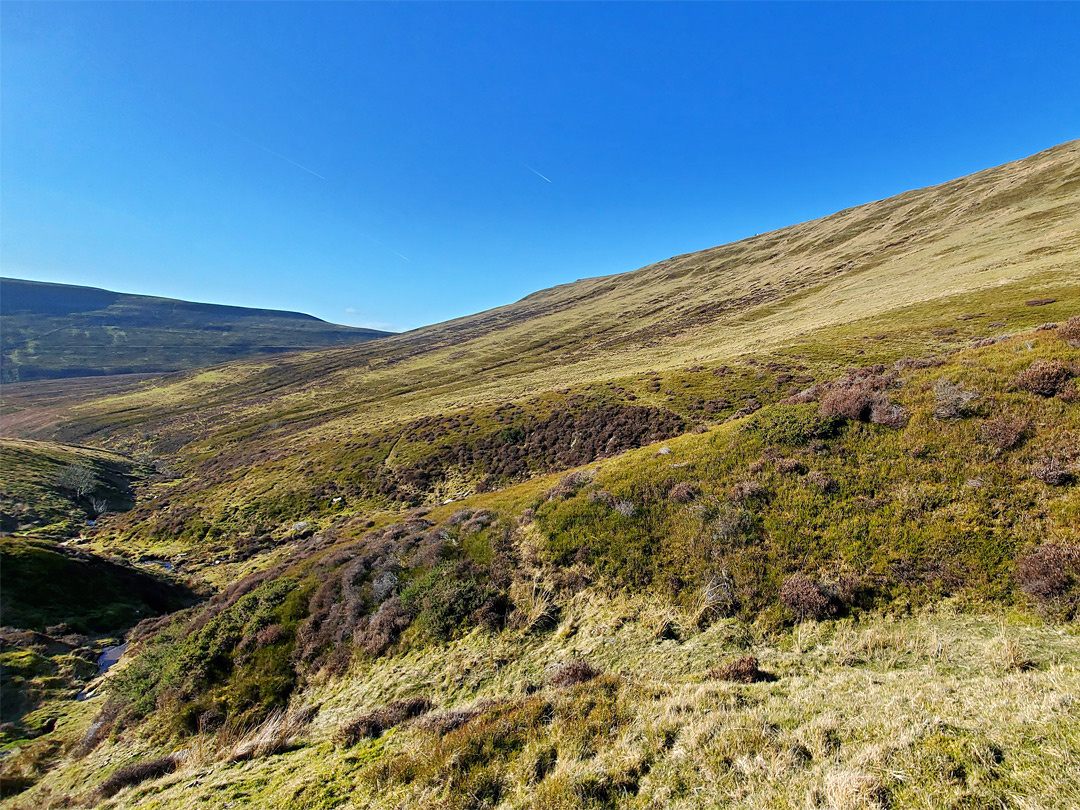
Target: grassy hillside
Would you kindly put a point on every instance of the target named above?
(717, 609)
(651, 540)
(52, 489)
(61, 330)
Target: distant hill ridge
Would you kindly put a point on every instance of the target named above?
(65, 330)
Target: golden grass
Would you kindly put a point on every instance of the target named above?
(921, 711)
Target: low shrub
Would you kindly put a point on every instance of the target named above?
(808, 598)
(847, 402)
(787, 466)
(887, 413)
(952, 400)
(1070, 331)
(373, 724)
(741, 670)
(569, 484)
(793, 424)
(1050, 576)
(821, 480)
(573, 672)
(1003, 432)
(683, 492)
(385, 627)
(135, 774)
(1052, 471)
(747, 490)
(1043, 377)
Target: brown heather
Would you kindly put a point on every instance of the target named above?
(1043, 377)
(1070, 331)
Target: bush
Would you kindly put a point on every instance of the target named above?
(742, 670)
(569, 484)
(1043, 377)
(847, 402)
(373, 724)
(808, 598)
(887, 413)
(746, 491)
(135, 774)
(1051, 470)
(683, 493)
(952, 400)
(1003, 432)
(444, 599)
(385, 627)
(786, 466)
(1050, 576)
(820, 480)
(792, 424)
(1070, 331)
(573, 672)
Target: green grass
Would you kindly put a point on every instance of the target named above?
(311, 492)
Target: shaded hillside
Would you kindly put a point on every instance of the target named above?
(61, 330)
(53, 489)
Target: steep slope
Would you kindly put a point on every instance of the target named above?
(62, 330)
(703, 515)
(600, 365)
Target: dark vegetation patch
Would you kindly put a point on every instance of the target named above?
(1044, 377)
(1003, 432)
(573, 672)
(741, 670)
(373, 724)
(43, 585)
(807, 598)
(135, 774)
(569, 436)
(1050, 576)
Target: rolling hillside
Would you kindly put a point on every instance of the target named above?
(61, 330)
(650, 540)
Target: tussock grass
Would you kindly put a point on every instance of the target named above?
(884, 711)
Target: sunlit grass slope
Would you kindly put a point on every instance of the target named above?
(897, 549)
(464, 406)
(792, 522)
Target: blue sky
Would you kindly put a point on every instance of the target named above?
(402, 164)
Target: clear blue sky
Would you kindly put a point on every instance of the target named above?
(404, 164)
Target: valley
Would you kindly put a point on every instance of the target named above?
(790, 522)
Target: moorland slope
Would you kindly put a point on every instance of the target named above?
(63, 330)
(651, 540)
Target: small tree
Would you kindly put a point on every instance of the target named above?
(78, 478)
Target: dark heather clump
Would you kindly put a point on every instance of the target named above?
(683, 493)
(1051, 470)
(1050, 576)
(373, 724)
(1043, 377)
(136, 773)
(742, 670)
(807, 598)
(1070, 331)
(573, 672)
(1003, 432)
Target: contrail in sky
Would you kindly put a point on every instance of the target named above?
(387, 247)
(272, 152)
(534, 171)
